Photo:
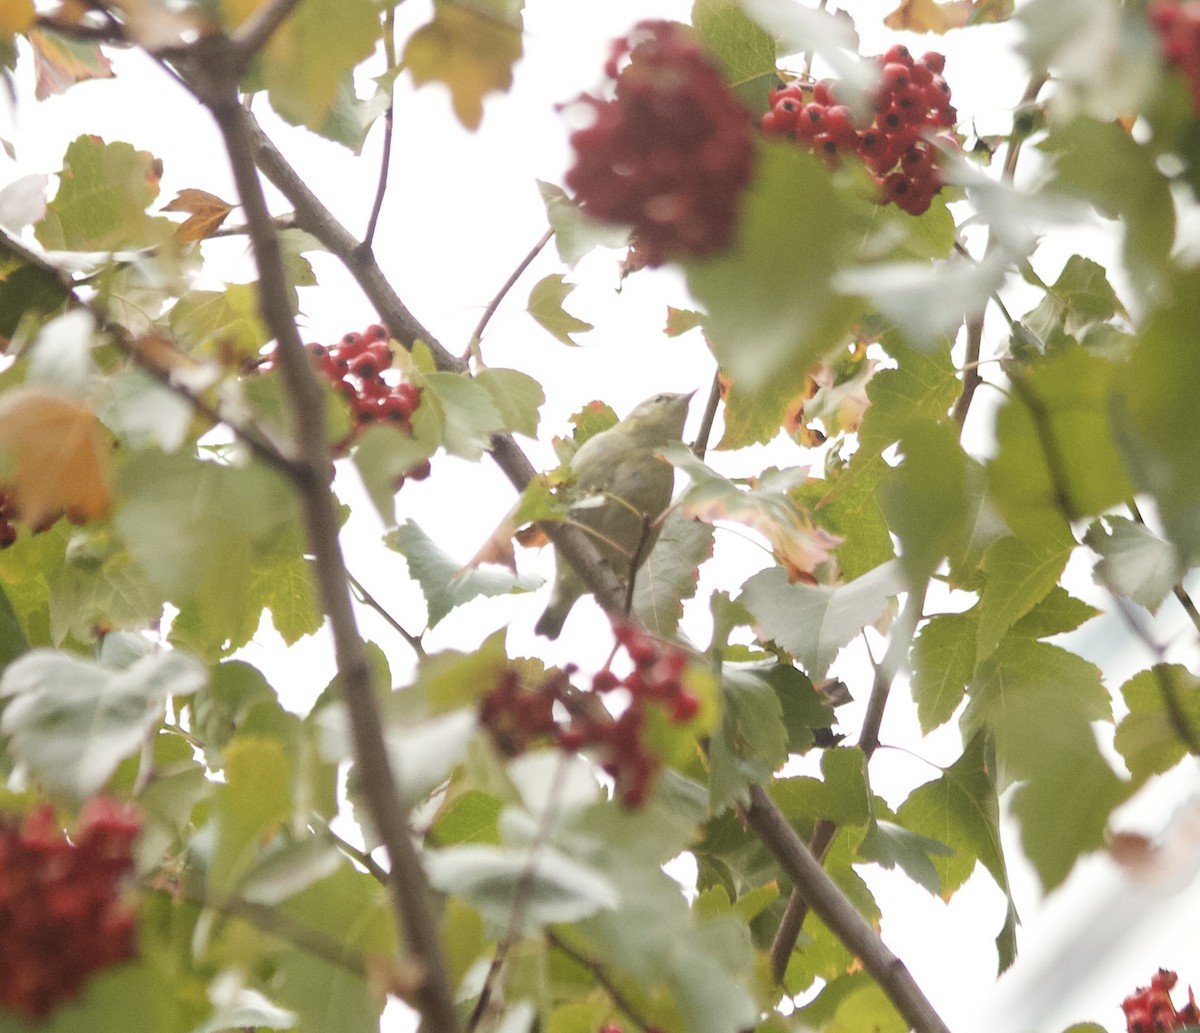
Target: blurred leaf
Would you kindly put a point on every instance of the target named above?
(1147, 737)
(59, 452)
(1056, 458)
(223, 324)
(813, 622)
(292, 867)
(446, 583)
(1134, 561)
(384, 454)
(769, 322)
(72, 721)
(103, 192)
(1154, 416)
(1080, 298)
(471, 818)
(470, 49)
(23, 202)
(17, 16)
(555, 887)
(546, 306)
(575, 233)
(205, 213)
(60, 62)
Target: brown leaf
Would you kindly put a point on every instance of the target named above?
(498, 548)
(206, 213)
(930, 16)
(58, 452)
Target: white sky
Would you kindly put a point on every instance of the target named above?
(462, 210)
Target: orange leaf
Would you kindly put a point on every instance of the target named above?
(59, 456)
(498, 548)
(16, 16)
(928, 16)
(206, 213)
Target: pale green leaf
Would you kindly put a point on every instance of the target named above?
(546, 306)
(517, 397)
(1134, 561)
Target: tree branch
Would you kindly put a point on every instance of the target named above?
(252, 35)
(213, 79)
(835, 910)
(477, 333)
(389, 125)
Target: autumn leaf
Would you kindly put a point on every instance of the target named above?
(205, 211)
(471, 50)
(16, 16)
(59, 62)
(58, 453)
(930, 16)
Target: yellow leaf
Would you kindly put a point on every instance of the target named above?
(58, 452)
(206, 213)
(471, 52)
(928, 16)
(16, 16)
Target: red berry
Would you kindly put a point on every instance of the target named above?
(408, 395)
(898, 54)
(823, 92)
(934, 61)
(377, 332)
(896, 76)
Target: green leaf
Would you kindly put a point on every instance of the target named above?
(1127, 186)
(546, 306)
(859, 1003)
(1037, 700)
(253, 803)
(445, 582)
(292, 867)
(471, 818)
(746, 52)
(1134, 561)
(804, 708)
(575, 233)
(751, 741)
(769, 322)
(814, 622)
(384, 454)
(925, 498)
(310, 54)
(1154, 416)
(554, 887)
(961, 810)
(214, 323)
(1080, 298)
(469, 416)
(1020, 572)
(1148, 737)
(1056, 458)
(103, 192)
(670, 572)
(517, 397)
(72, 721)
(943, 660)
(890, 845)
(840, 796)
(1057, 614)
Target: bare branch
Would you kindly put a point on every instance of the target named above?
(389, 124)
(477, 333)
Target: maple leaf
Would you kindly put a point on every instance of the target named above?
(470, 50)
(205, 211)
(58, 452)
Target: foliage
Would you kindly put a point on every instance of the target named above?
(475, 831)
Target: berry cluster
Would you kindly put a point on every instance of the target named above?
(355, 366)
(672, 151)
(901, 145)
(1149, 1008)
(61, 917)
(517, 716)
(8, 513)
(1178, 28)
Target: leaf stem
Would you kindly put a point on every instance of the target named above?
(477, 333)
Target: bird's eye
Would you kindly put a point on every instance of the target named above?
(661, 398)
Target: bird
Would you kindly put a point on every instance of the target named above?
(622, 466)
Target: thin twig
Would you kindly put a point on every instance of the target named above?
(373, 867)
(477, 333)
(600, 976)
(389, 124)
(367, 599)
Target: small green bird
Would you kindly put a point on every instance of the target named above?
(620, 464)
